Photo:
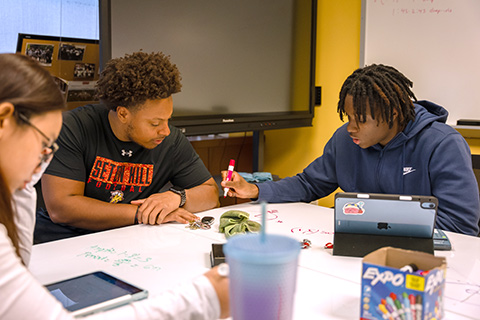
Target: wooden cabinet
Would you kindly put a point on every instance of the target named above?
(216, 152)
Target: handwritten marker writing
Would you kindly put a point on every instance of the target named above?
(229, 175)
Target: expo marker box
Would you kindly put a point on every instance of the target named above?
(391, 294)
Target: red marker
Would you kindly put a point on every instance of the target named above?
(413, 308)
(229, 175)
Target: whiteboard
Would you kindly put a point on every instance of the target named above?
(435, 43)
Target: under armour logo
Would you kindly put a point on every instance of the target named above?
(407, 170)
(125, 153)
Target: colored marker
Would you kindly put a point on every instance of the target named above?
(391, 310)
(410, 268)
(399, 305)
(418, 307)
(384, 312)
(413, 306)
(391, 302)
(229, 175)
(406, 303)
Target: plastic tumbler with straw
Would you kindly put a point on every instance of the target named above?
(263, 274)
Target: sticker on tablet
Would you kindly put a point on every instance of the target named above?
(353, 208)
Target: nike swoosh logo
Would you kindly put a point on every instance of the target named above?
(408, 170)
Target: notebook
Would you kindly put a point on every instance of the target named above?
(365, 222)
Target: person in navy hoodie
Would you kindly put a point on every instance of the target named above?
(391, 144)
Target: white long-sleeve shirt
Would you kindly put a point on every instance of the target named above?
(23, 297)
(25, 201)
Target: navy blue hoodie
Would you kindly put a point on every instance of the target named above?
(427, 158)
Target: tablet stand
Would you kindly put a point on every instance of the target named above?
(358, 245)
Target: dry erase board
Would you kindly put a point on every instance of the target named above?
(435, 43)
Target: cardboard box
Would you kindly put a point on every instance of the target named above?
(389, 293)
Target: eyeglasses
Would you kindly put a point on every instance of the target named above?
(51, 147)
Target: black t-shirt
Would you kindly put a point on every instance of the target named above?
(117, 171)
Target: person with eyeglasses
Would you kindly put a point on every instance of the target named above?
(31, 108)
(49, 145)
(25, 198)
(120, 162)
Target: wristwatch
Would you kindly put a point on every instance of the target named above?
(181, 193)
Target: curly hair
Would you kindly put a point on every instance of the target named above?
(384, 89)
(132, 80)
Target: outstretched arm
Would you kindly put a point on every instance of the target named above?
(66, 203)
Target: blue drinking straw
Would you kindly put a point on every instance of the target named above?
(264, 218)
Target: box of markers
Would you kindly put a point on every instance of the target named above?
(400, 284)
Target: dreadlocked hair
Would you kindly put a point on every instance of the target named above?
(384, 89)
(131, 80)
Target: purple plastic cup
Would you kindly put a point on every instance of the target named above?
(262, 275)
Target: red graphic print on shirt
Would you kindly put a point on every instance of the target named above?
(111, 173)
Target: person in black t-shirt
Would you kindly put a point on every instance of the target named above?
(116, 158)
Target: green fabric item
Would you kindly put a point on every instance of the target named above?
(234, 222)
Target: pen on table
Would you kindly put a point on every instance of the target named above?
(229, 175)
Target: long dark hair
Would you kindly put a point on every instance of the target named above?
(32, 90)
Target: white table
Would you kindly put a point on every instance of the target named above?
(328, 287)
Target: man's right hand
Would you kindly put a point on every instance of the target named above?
(239, 187)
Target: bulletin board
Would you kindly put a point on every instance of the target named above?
(435, 43)
(75, 62)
